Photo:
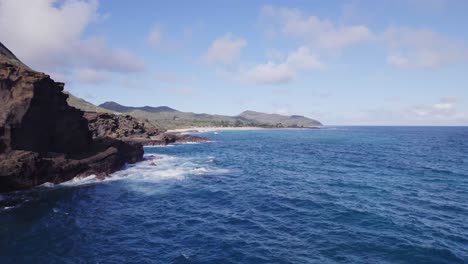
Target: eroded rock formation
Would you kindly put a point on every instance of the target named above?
(42, 138)
(128, 128)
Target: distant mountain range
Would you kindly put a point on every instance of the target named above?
(169, 118)
(113, 106)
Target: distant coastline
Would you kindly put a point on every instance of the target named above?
(213, 129)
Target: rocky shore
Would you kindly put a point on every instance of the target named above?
(43, 139)
(128, 128)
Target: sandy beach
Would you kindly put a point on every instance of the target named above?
(211, 129)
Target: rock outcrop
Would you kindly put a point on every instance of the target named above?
(128, 128)
(42, 138)
(119, 126)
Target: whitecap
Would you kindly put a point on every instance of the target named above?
(154, 168)
(160, 167)
(158, 146)
(81, 181)
(47, 185)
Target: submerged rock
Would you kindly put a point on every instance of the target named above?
(42, 138)
(174, 138)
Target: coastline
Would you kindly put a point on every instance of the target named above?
(211, 129)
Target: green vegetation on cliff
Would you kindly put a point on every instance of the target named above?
(168, 118)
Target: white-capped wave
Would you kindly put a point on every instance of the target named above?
(81, 180)
(159, 167)
(158, 146)
(155, 168)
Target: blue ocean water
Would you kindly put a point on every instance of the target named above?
(334, 195)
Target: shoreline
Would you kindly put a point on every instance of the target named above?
(211, 129)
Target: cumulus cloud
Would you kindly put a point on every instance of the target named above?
(225, 50)
(90, 76)
(445, 111)
(421, 48)
(271, 73)
(48, 36)
(303, 59)
(279, 73)
(97, 54)
(408, 48)
(316, 32)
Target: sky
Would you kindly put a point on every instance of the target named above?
(356, 62)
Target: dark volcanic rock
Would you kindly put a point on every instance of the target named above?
(119, 126)
(131, 129)
(42, 138)
(174, 138)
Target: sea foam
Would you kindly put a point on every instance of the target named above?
(159, 167)
(155, 168)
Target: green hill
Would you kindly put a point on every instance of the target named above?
(169, 118)
(122, 109)
(165, 117)
(84, 105)
(279, 120)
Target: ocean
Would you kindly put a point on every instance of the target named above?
(332, 195)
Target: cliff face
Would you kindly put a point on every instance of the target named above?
(35, 115)
(42, 138)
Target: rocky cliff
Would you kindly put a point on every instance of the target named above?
(42, 138)
(128, 128)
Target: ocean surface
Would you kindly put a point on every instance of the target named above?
(333, 195)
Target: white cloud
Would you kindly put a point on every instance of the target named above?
(408, 48)
(95, 53)
(421, 48)
(397, 60)
(279, 73)
(35, 29)
(155, 37)
(443, 106)
(317, 33)
(90, 76)
(445, 111)
(303, 59)
(271, 73)
(225, 50)
(48, 36)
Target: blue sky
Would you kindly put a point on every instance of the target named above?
(401, 62)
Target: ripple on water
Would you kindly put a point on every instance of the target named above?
(351, 195)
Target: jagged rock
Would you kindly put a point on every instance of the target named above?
(131, 129)
(172, 138)
(42, 138)
(119, 126)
